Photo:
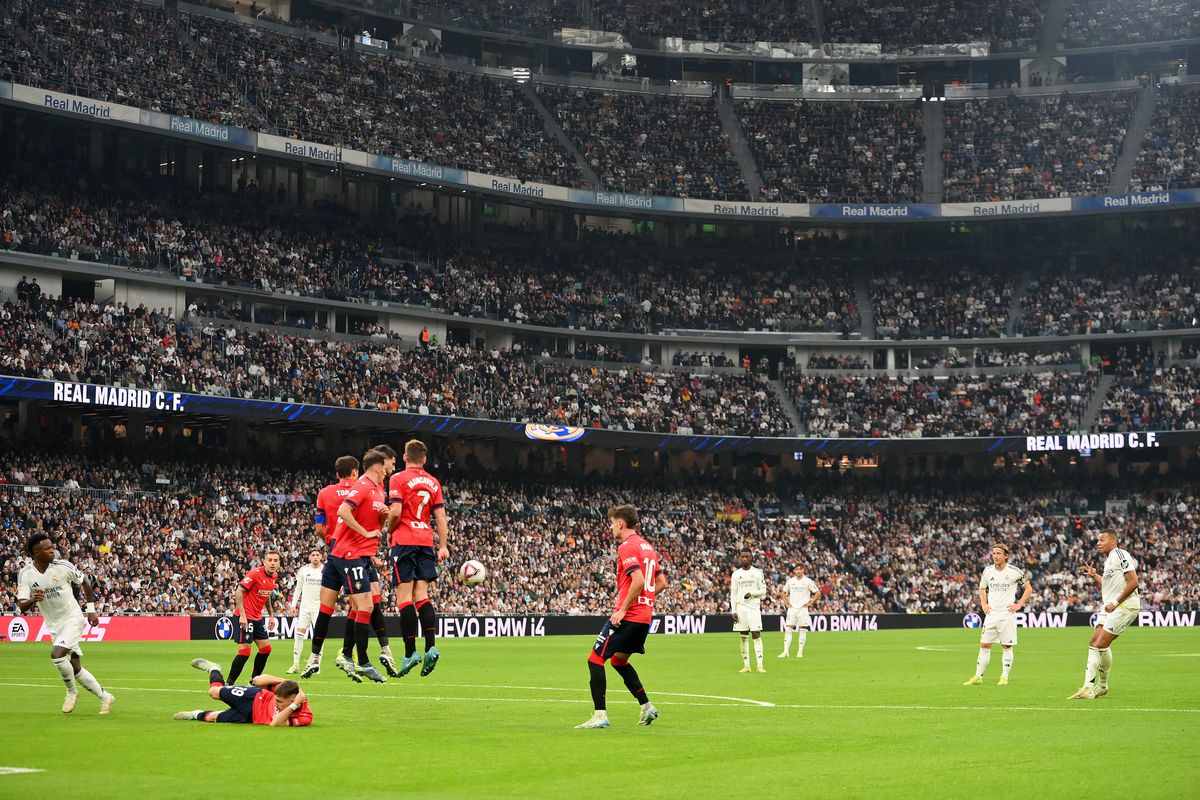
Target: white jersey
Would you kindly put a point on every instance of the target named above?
(747, 580)
(307, 593)
(1003, 586)
(799, 591)
(59, 607)
(1113, 583)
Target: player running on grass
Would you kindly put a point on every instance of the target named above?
(1121, 599)
(270, 701)
(639, 579)
(48, 583)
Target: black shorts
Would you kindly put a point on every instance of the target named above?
(254, 630)
(628, 638)
(372, 573)
(356, 574)
(240, 700)
(331, 574)
(413, 562)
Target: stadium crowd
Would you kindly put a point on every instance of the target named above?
(173, 535)
(1045, 146)
(960, 405)
(649, 143)
(1093, 23)
(931, 21)
(836, 152)
(963, 302)
(1170, 154)
(64, 339)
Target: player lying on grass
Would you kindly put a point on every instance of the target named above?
(270, 701)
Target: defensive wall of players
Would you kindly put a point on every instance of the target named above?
(578, 199)
(181, 628)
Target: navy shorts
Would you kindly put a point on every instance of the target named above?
(331, 574)
(240, 700)
(413, 562)
(255, 629)
(356, 574)
(372, 573)
(628, 638)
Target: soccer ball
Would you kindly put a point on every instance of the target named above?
(472, 573)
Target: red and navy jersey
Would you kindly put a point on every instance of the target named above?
(636, 554)
(264, 711)
(366, 498)
(256, 588)
(328, 501)
(419, 495)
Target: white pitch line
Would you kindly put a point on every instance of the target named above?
(1093, 706)
(18, 770)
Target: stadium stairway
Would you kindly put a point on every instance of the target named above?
(1092, 413)
(817, 15)
(554, 129)
(785, 402)
(866, 309)
(1134, 138)
(186, 39)
(1052, 25)
(732, 127)
(1020, 288)
(933, 125)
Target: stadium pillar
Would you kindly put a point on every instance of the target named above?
(96, 151)
(475, 214)
(238, 435)
(135, 426)
(25, 413)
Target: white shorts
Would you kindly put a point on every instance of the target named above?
(748, 619)
(69, 634)
(1117, 620)
(798, 618)
(999, 629)
(307, 618)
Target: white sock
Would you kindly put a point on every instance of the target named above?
(787, 641)
(1093, 666)
(981, 664)
(88, 681)
(63, 665)
(1105, 665)
(297, 649)
(1006, 661)
(600, 715)
(802, 635)
(746, 650)
(758, 650)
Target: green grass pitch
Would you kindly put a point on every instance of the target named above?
(879, 713)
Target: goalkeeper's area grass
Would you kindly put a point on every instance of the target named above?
(879, 713)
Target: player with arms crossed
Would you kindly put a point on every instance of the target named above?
(414, 497)
(747, 588)
(269, 701)
(47, 583)
(1119, 594)
(639, 579)
(799, 594)
(998, 587)
(305, 604)
(252, 596)
(360, 518)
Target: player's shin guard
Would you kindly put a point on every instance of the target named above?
(408, 628)
(981, 663)
(428, 619)
(321, 628)
(66, 671)
(1106, 659)
(298, 647)
(215, 678)
(350, 637)
(801, 636)
(239, 663)
(362, 635)
(745, 649)
(379, 624)
(787, 641)
(598, 684)
(88, 681)
(1006, 662)
(632, 682)
(1093, 666)
(260, 662)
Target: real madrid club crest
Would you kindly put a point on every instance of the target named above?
(554, 433)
